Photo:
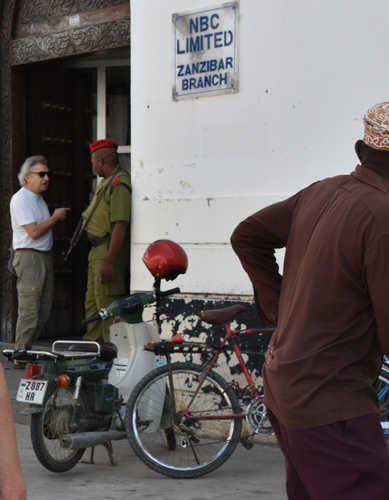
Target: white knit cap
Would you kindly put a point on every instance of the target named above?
(376, 122)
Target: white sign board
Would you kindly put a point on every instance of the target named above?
(206, 52)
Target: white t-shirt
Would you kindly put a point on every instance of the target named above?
(27, 207)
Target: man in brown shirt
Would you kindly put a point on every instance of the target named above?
(331, 307)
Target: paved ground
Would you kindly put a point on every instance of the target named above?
(258, 473)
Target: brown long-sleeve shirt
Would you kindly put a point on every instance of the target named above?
(331, 305)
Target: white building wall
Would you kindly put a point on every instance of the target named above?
(308, 71)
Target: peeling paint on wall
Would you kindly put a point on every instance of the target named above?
(183, 316)
(185, 185)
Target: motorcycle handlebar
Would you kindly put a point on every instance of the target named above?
(93, 318)
(105, 313)
(169, 292)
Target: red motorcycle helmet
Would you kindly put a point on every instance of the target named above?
(165, 259)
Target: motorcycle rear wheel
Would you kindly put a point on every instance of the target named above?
(48, 426)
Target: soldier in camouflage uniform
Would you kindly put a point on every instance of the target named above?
(108, 232)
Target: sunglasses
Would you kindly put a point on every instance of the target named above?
(42, 174)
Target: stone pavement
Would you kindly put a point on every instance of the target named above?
(256, 473)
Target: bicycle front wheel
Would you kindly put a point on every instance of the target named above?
(181, 429)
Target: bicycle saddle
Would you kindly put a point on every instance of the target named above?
(219, 316)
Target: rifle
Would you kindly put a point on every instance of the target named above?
(75, 238)
(81, 224)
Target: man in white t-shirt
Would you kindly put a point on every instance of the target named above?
(32, 240)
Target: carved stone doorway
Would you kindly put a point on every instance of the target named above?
(45, 110)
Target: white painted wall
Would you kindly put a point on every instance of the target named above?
(308, 71)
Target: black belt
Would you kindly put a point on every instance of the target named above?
(32, 250)
(95, 242)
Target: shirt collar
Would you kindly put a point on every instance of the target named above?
(367, 176)
(31, 193)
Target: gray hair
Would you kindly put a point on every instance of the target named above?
(27, 166)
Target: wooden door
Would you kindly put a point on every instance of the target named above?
(57, 127)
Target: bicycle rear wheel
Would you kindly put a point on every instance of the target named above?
(164, 421)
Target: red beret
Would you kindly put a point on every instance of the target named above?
(102, 143)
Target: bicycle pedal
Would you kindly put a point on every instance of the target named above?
(247, 442)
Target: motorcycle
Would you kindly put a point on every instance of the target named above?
(77, 392)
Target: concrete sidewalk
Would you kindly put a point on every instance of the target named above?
(257, 473)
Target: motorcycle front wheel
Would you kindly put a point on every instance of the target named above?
(53, 422)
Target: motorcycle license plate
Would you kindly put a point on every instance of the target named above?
(31, 391)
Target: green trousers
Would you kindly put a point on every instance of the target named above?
(35, 288)
(99, 296)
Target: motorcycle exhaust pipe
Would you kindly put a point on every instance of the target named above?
(89, 439)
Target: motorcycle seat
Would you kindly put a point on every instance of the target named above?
(108, 350)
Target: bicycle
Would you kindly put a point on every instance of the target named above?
(382, 388)
(183, 419)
